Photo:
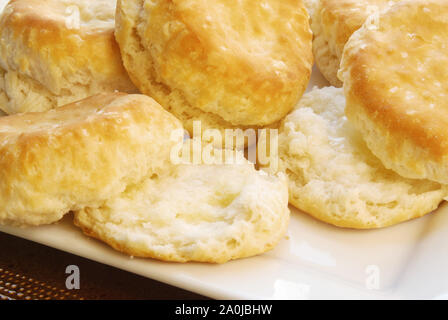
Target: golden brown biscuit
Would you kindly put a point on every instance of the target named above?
(54, 52)
(79, 155)
(203, 213)
(334, 177)
(333, 22)
(226, 63)
(397, 88)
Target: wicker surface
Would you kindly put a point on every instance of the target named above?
(20, 287)
(31, 271)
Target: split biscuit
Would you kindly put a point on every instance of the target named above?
(202, 213)
(335, 178)
(79, 155)
(225, 63)
(55, 52)
(397, 88)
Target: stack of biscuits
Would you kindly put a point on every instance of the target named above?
(93, 92)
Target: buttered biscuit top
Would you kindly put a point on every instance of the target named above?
(55, 52)
(395, 81)
(246, 62)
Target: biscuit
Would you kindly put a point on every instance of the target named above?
(49, 57)
(202, 213)
(396, 88)
(79, 155)
(225, 63)
(333, 22)
(311, 6)
(335, 178)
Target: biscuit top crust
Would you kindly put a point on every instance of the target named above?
(79, 155)
(45, 40)
(94, 16)
(394, 72)
(89, 117)
(341, 18)
(76, 114)
(247, 61)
